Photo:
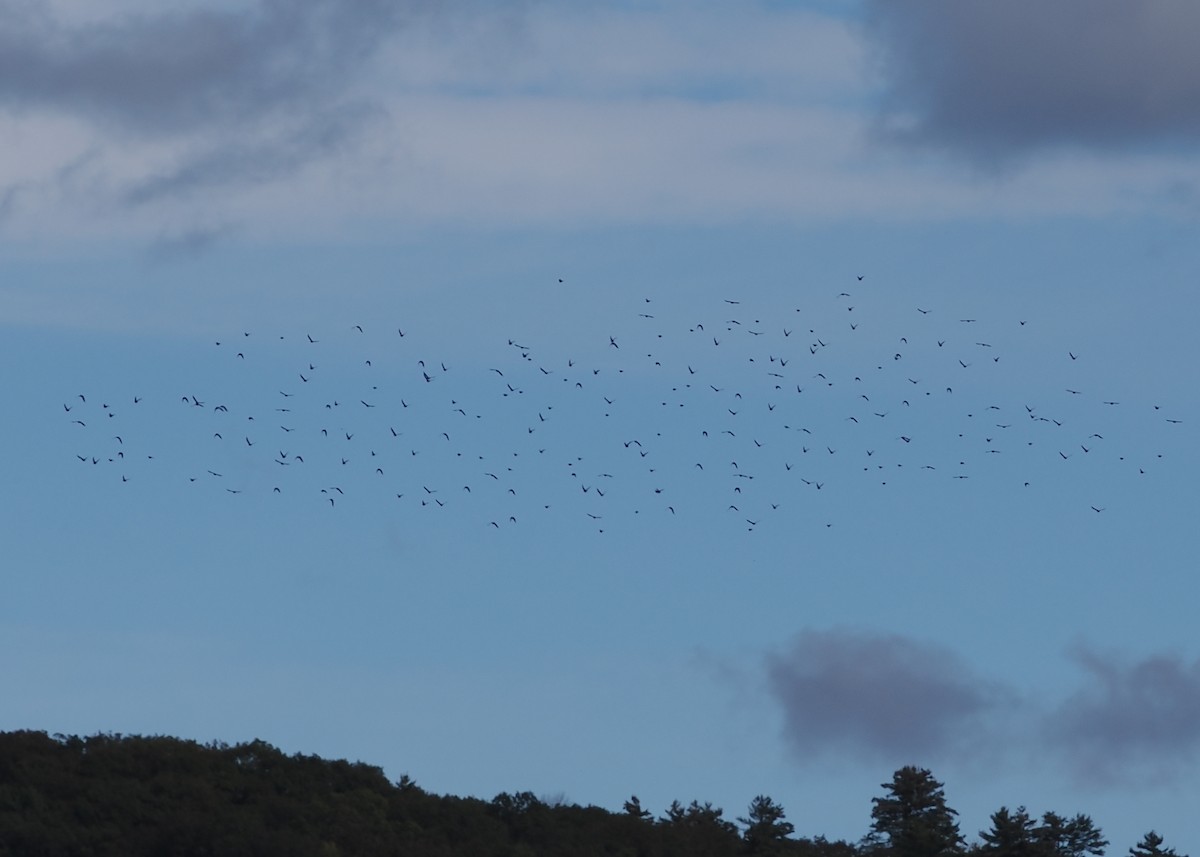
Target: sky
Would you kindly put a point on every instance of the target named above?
(686, 400)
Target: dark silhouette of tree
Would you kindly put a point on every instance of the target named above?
(822, 847)
(523, 814)
(108, 795)
(1074, 837)
(765, 826)
(699, 830)
(675, 813)
(913, 820)
(1151, 846)
(633, 807)
(1013, 834)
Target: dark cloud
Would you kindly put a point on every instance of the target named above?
(249, 95)
(1131, 719)
(177, 71)
(878, 696)
(996, 80)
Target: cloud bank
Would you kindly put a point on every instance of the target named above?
(998, 80)
(175, 71)
(308, 120)
(889, 698)
(168, 102)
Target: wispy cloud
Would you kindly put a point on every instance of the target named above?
(300, 118)
(221, 97)
(878, 696)
(996, 81)
(173, 71)
(696, 50)
(188, 243)
(239, 162)
(1130, 720)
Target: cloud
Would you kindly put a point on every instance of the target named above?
(878, 696)
(176, 71)
(667, 48)
(189, 243)
(239, 162)
(999, 80)
(8, 199)
(1139, 719)
(893, 699)
(229, 96)
(308, 119)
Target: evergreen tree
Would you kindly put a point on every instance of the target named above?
(1012, 835)
(1151, 846)
(699, 830)
(633, 807)
(706, 816)
(765, 826)
(914, 818)
(1075, 837)
(675, 813)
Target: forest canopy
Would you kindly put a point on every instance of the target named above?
(112, 794)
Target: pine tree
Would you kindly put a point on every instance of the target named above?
(633, 807)
(914, 818)
(1151, 846)
(765, 827)
(1012, 834)
(1075, 837)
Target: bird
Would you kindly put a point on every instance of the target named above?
(730, 372)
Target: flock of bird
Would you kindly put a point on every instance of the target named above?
(750, 417)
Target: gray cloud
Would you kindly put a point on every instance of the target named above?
(997, 80)
(8, 199)
(177, 71)
(894, 699)
(878, 696)
(245, 96)
(240, 161)
(1130, 719)
(187, 244)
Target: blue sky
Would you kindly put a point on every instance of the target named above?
(602, 228)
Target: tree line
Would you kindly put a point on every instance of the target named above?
(132, 795)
